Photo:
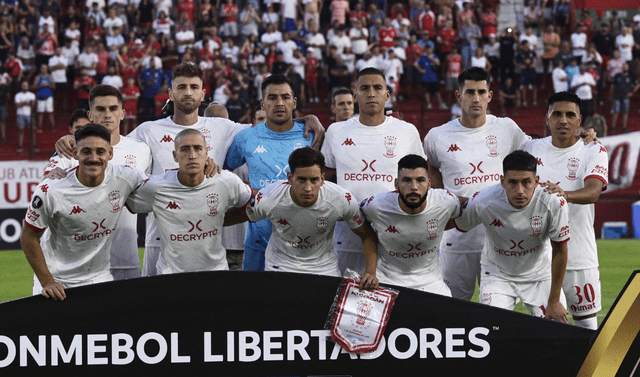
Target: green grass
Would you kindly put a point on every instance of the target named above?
(618, 259)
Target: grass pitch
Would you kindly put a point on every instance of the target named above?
(618, 259)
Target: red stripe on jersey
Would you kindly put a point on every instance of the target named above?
(456, 225)
(33, 227)
(600, 178)
(557, 243)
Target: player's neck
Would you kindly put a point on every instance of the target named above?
(470, 122)
(564, 143)
(372, 120)
(185, 119)
(115, 137)
(288, 126)
(87, 180)
(190, 180)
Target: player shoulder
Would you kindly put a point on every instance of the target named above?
(439, 130)
(382, 199)
(536, 144)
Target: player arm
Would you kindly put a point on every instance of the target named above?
(312, 124)
(555, 310)
(368, 280)
(435, 176)
(590, 193)
(30, 241)
(451, 224)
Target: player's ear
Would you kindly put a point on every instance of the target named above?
(502, 182)
(170, 94)
(262, 104)
(322, 180)
(395, 183)
(537, 180)
(490, 95)
(295, 102)
(290, 177)
(110, 153)
(175, 156)
(458, 96)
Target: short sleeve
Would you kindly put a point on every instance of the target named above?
(256, 207)
(470, 217)
(239, 192)
(598, 166)
(558, 220)
(327, 150)
(37, 217)
(142, 198)
(235, 157)
(351, 213)
(430, 149)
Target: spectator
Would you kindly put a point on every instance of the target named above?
(83, 85)
(44, 87)
(270, 17)
(598, 123)
(583, 84)
(185, 38)
(453, 70)
(5, 42)
(386, 35)
(24, 101)
(412, 53)
(339, 11)
(492, 51)
(92, 30)
(5, 88)
(287, 46)
(229, 12)
(13, 67)
(279, 67)
(272, 35)
(130, 95)
(145, 14)
(222, 92)
(311, 76)
(163, 24)
(103, 61)
(375, 14)
(560, 78)
(149, 81)
(58, 65)
(614, 66)
(374, 31)
(509, 97)
(27, 56)
(263, 73)
(489, 23)
(551, 44)
(96, 13)
(616, 23)
(393, 70)
(188, 7)
(466, 13)
(249, 21)
(316, 40)
(112, 78)
(338, 75)
(427, 20)
(480, 60)
(160, 100)
(114, 42)
(605, 42)
(428, 66)
(533, 16)
(572, 69)
(112, 22)
(341, 40)
(530, 37)
(289, 9)
(561, 16)
(312, 9)
(239, 111)
(579, 43)
(46, 45)
(624, 43)
(507, 54)
(527, 61)
(622, 88)
(358, 14)
(400, 21)
(47, 19)
(89, 60)
(470, 35)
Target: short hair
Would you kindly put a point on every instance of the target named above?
(186, 132)
(371, 71)
(519, 161)
(187, 69)
(103, 90)
(304, 158)
(565, 97)
(339, 91)
(412, 162)
(473, 74)
(92, 129)
(78, 114)
(278, 79)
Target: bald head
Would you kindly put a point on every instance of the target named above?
(215, 110)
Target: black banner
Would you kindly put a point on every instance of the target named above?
(269, 324)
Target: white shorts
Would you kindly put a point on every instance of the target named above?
(37, 287)
(330, 269)
(460, 271)
(150, 260)
(582, 290)
(45, 105)
(500, 293)
(431, 281)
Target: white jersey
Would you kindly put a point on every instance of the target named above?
(302, 238)
(366, 161)
(570, 168)
(408, 243)
(82, 221)
(470, 159)
(517, 246)
(190, 219)
(159, 135)
(133, 154)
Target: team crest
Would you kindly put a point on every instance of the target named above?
(573, 165)
(207, 137)
(114, 199)
(212, 202)
(390, 145)
(486, 298)
(536, 225)
(432, 227)
(298, 144)
(130, 161)
(492, 144)
(363, 310)
(322, 223)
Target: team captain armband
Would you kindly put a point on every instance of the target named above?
(358, 318)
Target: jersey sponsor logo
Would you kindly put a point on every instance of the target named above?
(390, 144)
(392, 229)
(114, 199)
(476, 167)
(368, 177)
(539, 161)
(76, 210)
(130, 161)
(322, 223)
(486, 298)
(189, 236)
(96, 233)
(194, 226)
(260, 149)
(513, 252)
(469, 180)
(166, 139)
(32, 215)
(368, 165)
(415, 254)
(52, 164)
(212, 202)
(348, 141)
(36, 202)
(602, 170)
(302, 243)
(348, 197)
(518, 244)
(573, 165)
(454, 148)
(536, 225)
(492, 144)
(432, 227)
(283, 222)
(98, 225)
(564, 231)
(497, 223)
(416, 246)
(172, 205)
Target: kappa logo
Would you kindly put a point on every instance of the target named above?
(369, 165)
(603, 149)
(476, 167)
(562, 202)
(44, 188)
(497, 223)
(392, 229)
(539, 161)
(454, 148)
(260, 149)
(76, 210)
(348, 197)
(348, 141)
(166, 139)
(258, 197)
(98, 225)
(283, 222)
(172, 205)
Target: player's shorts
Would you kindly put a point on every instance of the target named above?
(451, 83)
(326, 269)
(430, 281)
(125, 273)
(23, 121)
(582, 290)
(102, 278)
(501, 293)
(150, 260)
(351, 260)
(621, 105)
(460, 271)
(45, 105)
(528, 77)
(430, 87)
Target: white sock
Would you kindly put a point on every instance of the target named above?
(589, 323)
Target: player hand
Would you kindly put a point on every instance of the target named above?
(54, 290)
(65, 145)
(210, 168)
(368, 281)
(553, 188)
(590, 135)
(313, 124)
(56, 173)
(557, 312)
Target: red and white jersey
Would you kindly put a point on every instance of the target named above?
(190, 219)
(408, 243)
(470, 159)
(302, 238)
(82, 222)
(159, 136)
(366, 161)
(570, 168)
(517, 246)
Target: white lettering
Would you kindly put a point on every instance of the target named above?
(450, 342)
(208, 357)
(483, 344)
(93, 348)
(293, 347)
(175, 357)
(322, 343)
(230, 346)
(11, 351)
(26, 347)
(244, 345)
(413, 343)
(162, 351)
(118, 348)
(268, 345)
(425, 344)
(17, 230)
(57, 349)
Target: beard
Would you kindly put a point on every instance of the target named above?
(186, 108)
(413, 205)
